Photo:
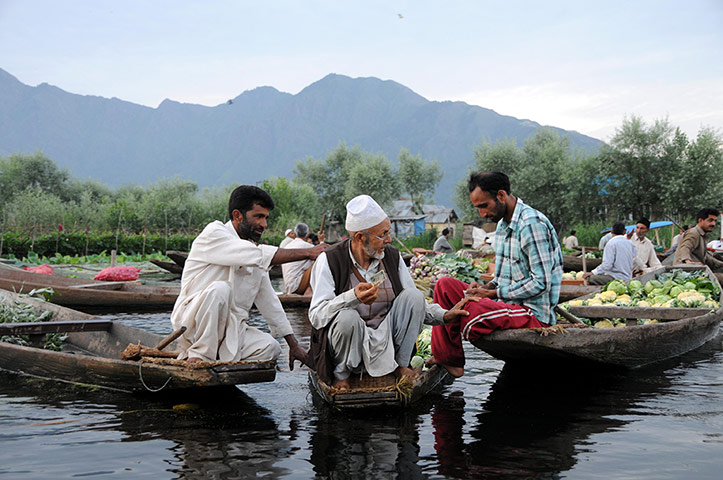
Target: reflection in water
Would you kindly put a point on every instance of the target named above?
(366, 445)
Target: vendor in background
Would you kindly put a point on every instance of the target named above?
(618, 259)
(716, 244)
(646, 259)
(570, 242)
(604, 240)
(692, 247)
(676, 239)
(297, 274)
(442, 243)
(289, 235)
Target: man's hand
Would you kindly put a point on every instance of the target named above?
(366, 293)
(586, 274)
(487, 290)
(296, 352)
(453, 314)
(321, 236)
(629, 235)
(316, 251)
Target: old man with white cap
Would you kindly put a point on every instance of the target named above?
(364, 320)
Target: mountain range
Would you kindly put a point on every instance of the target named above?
(259, 134)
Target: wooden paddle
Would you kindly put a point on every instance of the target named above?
(568, 316)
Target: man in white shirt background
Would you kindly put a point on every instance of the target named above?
(645, 259)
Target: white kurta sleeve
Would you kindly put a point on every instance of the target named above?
(218, 244)
(269, 305)
(325, 304)
(434, 313)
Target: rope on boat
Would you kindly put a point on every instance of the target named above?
(152, 390)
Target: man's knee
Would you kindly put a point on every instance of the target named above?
(412, 295)
(219, 291)
(346, 323)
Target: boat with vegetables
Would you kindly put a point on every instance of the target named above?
(43, 340)
(84, 293)
(386, 392)
(627, 325)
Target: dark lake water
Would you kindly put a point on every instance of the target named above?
(664, 422)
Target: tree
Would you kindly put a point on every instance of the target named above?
(373, 176)
(696, 181)
(504, 156)
(293, 203)
(20, 171)
(418, 178)
(328, 177)
(636, 165)
(541, 181)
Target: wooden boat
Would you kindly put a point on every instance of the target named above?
(180, 259)
(571, 291)
(172, 267)
(91, 355)
(380, 392)
(681, 330)
(573, 263)
(76, 292)
(84, 293)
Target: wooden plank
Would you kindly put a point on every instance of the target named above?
(34, 328)
(102, 286)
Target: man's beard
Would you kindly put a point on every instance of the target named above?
(500, 212)
(371, 251)
(246, 231)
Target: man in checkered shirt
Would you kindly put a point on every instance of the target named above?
(528, 274)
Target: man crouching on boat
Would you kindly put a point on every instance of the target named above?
(225, 274)
(366, 312)
(528, 274)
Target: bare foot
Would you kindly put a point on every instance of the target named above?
(341, 384)
(405, 372)
(456, 372)
(194, 360)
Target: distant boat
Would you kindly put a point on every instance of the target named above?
(91, 355)
(86, 293)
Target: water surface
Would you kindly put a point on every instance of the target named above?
(664, 422)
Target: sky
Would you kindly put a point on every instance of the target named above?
(578, 65)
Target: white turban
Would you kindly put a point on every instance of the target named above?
(362, 212)
(288, 231)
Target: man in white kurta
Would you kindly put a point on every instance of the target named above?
(225, 274)
(645, 259)
(219, 264)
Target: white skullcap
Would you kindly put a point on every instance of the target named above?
(362, 212)
(288, 231)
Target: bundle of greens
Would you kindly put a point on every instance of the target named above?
(20, 312)
(456, 265)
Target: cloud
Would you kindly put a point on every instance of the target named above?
(597, 110)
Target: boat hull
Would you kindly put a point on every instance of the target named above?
(370, 396)
(94, 358)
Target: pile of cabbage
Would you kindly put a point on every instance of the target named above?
(424, 348)
(572, 275)
(673, 289)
